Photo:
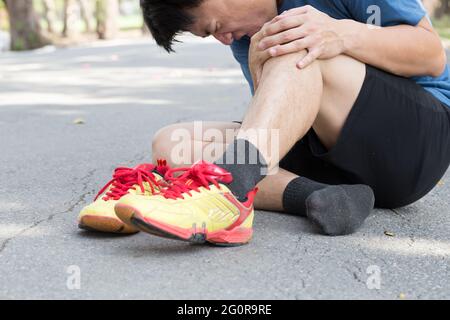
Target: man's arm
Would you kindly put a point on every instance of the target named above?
(402, 50)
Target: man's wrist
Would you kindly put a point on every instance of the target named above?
(348, 32)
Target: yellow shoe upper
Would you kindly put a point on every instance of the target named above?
(145, 179)
(198, 196)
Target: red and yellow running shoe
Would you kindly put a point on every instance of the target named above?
(197, 206)
(145, 179)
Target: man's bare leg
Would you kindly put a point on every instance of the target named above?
(270, 194)
(292, 101)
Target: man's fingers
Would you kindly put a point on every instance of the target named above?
(282, 38)
(295, 11)
(283, 24)
(256, 37)
(313, 55)
(294, 46)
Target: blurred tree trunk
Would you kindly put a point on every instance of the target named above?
(445, 7)
(50, 14)
(70, 18)
(25, 29)
(431, 6)
(87, 13)
(107, 13)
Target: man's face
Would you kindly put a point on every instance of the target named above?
(229, 20)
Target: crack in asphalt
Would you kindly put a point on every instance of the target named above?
(138, 158)
(398, 214)
(355, 274)
(411, 237)
(81, 199)
(297, 254)
(85, 192)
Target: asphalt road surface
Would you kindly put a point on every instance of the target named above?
(123, 92)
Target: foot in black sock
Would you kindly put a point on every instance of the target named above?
(340, 210)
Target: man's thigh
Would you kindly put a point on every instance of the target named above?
(343, 78)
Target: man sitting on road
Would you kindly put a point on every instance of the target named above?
(357, 91)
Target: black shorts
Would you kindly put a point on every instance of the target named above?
(396, 140)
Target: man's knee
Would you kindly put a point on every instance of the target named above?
(158, 142)
(160, 135)
(289, 59)
(161, 141)
(285, 69)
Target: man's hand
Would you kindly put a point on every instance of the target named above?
(299, 29)
(257, 58)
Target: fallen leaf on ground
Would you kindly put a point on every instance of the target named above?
(79, 121)
(389, 234)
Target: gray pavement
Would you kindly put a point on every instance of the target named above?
(125, 91)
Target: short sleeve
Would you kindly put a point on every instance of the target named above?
(391, 12)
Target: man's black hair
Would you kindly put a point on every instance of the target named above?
(167, 18)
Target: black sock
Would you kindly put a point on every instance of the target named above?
(296, 193)
(246, 164)
(336, 210)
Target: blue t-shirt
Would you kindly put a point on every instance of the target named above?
(392, 12)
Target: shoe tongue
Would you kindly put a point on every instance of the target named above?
(214, 172)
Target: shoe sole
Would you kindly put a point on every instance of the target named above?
(225, 238)
(105, 224)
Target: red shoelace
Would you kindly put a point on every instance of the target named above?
(125, 179)
(191, 179)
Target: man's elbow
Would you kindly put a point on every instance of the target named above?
(438, 64)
